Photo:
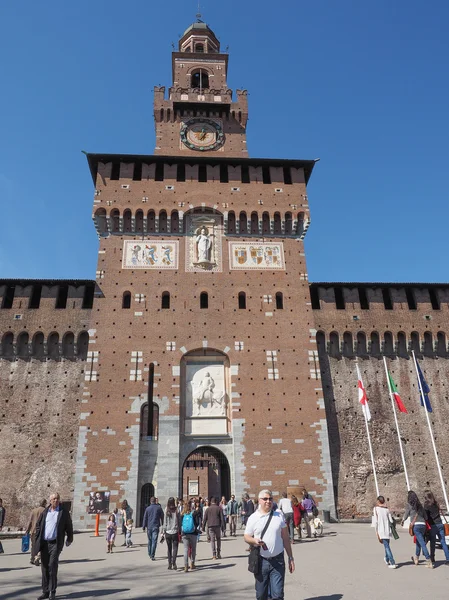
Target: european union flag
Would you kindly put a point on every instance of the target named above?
(425, 390)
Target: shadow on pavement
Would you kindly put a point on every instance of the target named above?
(331, 597)
(80, 560)
(92, 594)
(15, 569)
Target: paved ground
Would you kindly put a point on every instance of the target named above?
(346, 564)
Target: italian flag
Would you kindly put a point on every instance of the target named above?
(396, 396)
(363, 399)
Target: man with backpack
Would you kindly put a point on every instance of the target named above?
(190, 528)
(153, 518)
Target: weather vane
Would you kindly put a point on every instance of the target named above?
(198, 14)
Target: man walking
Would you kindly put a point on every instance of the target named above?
(275, 540)
(285, 506)
(232, 511)
(247, 508)
(53, 525)
(31, 530)
(152, 521)
(213, 517)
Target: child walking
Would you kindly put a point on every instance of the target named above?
(382, 520)
(129, 529)
(110, 533)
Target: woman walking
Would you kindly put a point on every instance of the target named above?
(297, 516)
(111, 530)
(433, 514)
(171, 530)
(308, 505)
(204, 511)
(417, 515)
(127, 513)
(224, 507)
(382, 521)
(190, 528)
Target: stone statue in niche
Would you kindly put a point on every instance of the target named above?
(206, 399)
(203, 246)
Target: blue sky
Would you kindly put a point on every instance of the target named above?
(361, 85)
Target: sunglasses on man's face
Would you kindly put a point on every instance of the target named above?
(266, 499)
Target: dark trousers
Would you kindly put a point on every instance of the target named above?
(271, 578)
(49, 566)
(215, 540)
(172, 547)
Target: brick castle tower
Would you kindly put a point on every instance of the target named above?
(203, 363)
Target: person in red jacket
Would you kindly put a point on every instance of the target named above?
(297, 516)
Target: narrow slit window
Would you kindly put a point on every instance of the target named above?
(35, 298)
(388, 305)
(315, 298)
(165, 300)
(339, 299)
(411, 301)
(126, 300)
(8, 298)
(202, 173)
(279, 300)
(363, 298)
(61, 299)
(242, 300)
(245, 174)
(204, 300)
(224, 175)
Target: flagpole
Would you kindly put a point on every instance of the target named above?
(368, 435)
(397, 424)
(431, 432)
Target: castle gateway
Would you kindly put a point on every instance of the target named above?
(201, 361)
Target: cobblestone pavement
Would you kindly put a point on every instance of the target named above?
(345, 564)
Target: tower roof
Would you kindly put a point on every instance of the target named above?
(199, 30)
(200, 26)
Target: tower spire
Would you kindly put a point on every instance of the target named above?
(198, 14)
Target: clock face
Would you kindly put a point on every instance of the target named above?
(202, 134)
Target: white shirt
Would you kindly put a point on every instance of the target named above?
(285, 505)
(51, 524)
(272, 537)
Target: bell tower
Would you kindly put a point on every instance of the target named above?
(200, 116)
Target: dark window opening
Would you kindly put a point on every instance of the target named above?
(300, 224)
(254, 223)
(150, 405)
(441, 344)
(428, 344)
(115, 171)
(224, 175)
(8, 298)
(175, 222)
(204, 300)
(159, 172)
(266, 175)
(139, 221)
(202, 173)
(199, 48)
(277, 226)
(127, 222)
(414, 338)
(388, 343)
(279, 300)
(137, 172)
(243, 223)
(266, 223)
(88, 296)
(288, 223)
(434, 300)
(402, 345)
(231, 222)
(315, 298)
(411, 301)
(126, 300)
(82, 345)
(200, 79)
(363, 298)
(242, 300)
(165, 300)
(115, 219)
(35, 298)
(162, 222)
(339, 298)
(388, 305)
(245, 174)
(61, 299)
(180, 172)
(375, 344)
(287, 176)
(151, 221)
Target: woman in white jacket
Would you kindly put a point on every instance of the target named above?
(382, 520)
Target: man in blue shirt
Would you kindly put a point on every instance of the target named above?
(152, 520)
(52, 527)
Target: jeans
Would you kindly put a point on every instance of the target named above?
(232, 524)
(438, 530)
(189, 540)
(388, 554)
(289, 522)
(272, 575)
(419, 530)
(172, 547)
(128, 540)
(152, 540)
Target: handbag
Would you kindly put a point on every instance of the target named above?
(25, 542)
(446, 525)
(412, 524)
(254, 553)
(394, 531)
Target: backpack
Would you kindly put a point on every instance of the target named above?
(188, 524)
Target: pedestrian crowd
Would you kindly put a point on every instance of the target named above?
(427, 524)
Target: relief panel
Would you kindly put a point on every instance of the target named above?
(150, 254)
(249, 256)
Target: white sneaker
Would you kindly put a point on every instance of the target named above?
(392, 566)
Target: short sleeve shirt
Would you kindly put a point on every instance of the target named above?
(272, 537)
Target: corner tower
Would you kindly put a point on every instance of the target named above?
(200, 117)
